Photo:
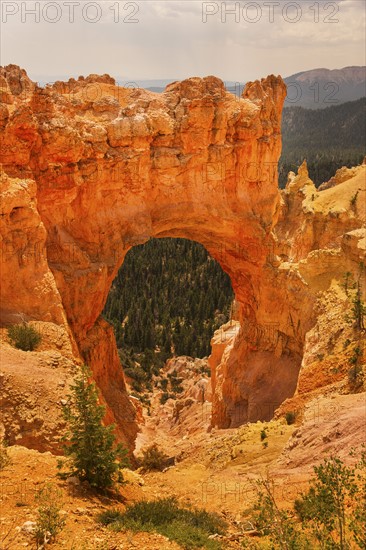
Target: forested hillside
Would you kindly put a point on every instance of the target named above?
(328, 138)
(168, 298)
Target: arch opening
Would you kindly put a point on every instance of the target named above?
(259, 369)
(168, 299)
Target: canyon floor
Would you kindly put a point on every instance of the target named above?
(214, 469)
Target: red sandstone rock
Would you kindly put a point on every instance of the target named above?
(90, 169)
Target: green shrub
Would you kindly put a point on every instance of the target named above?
(109, 516)
(188, 536)
(290, 417)
(354, 199)
(91, 447)
(273, 523)
(136, 372)
(164, 383)
(263, 434)
(126, 357)
(49, 521)
(358, 519)
(164, 397)
(355, 373)
(249, 544)
(347, 281)
(153, 459)
(358, 308)
(355, 377)
(137, 386)
(205, 370)
(143, 398)
(346, 343)
(189, 528)
(332, 512)
(176, 383)
(24, 337)
(324, 509)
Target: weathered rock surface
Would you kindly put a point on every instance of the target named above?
(341, 175)
(306, 339)
(33, 389)
(331, 425)
(90, 169)
(186, 413)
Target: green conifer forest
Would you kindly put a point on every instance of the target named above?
(168, 299)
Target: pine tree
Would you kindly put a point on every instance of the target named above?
(94, 455)
(324, 507)
(358, 309)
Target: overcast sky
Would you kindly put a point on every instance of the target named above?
(172, 39)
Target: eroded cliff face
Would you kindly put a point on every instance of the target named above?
(305, 346)
(94, 169)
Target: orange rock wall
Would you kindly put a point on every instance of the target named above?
(97, 169)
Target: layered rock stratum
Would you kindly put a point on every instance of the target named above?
(90, 169)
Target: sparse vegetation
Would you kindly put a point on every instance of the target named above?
(164, 383)
(91, 448)
(24, 336)
(205, 370)
(347, 277)
(275, 524)
(355, 373)
(170, 386)
(153, 459)
(164, 397)
(190, 528)
(142, 397)
(346, 343)
(358, 309)
(332, 512)
(358, 520)
(263, 434)
(175, 383)
(290, 417)
(50, 521)
(325, 510)
(354, 199)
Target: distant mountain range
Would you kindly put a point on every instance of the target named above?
(315, 89)
(321, 88)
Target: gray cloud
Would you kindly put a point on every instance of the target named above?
(170, 39)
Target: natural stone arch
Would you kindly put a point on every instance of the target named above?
(113, 170)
